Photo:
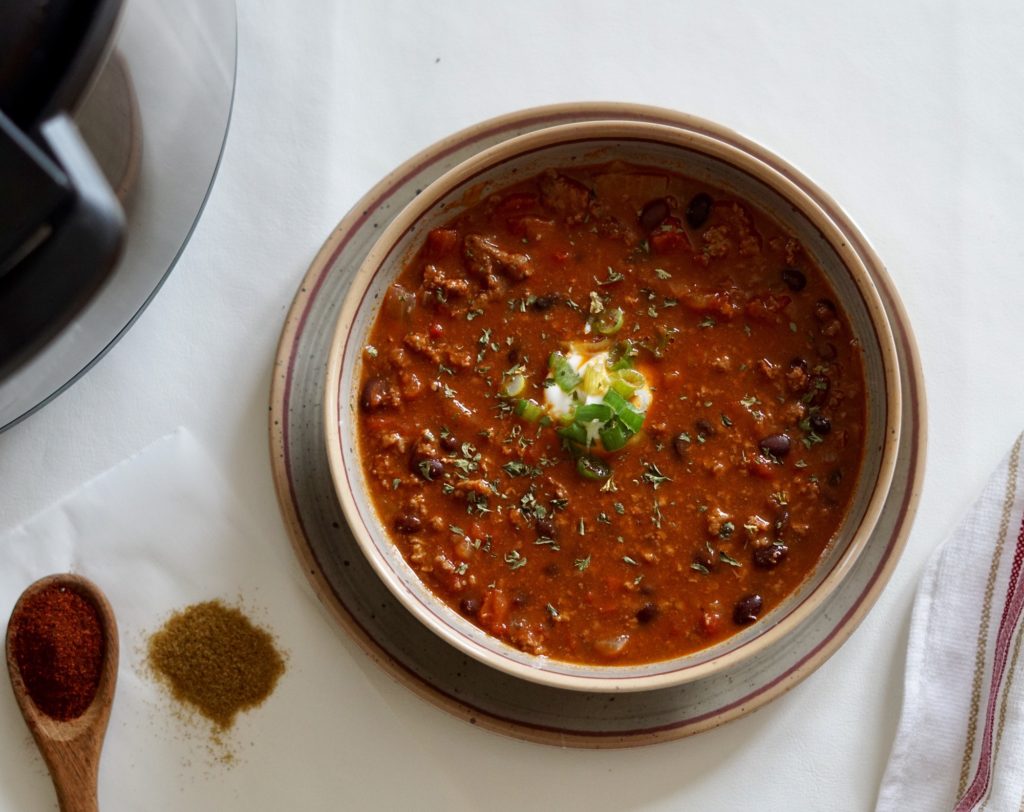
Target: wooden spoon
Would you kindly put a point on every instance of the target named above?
(71, 749)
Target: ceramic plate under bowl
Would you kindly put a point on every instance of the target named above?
(358, 601)
(713, 161)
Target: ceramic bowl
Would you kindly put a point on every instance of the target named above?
(716, 156)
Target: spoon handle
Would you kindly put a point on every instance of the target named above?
(75, 773)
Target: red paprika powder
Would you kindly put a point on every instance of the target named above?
(58, 645)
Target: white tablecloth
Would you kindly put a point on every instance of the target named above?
(908, 113)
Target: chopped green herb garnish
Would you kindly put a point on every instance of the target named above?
(515, 560)
(582, 563)
(652, 476)
(728, 559)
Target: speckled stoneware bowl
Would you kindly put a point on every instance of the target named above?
(721, 165)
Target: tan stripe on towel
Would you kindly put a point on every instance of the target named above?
(986, 616)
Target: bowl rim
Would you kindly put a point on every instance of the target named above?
(708, 139)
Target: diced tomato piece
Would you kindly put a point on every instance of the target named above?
(493, 615)
(441, 242)
(668, 241)
(760, 467)
(710, 623)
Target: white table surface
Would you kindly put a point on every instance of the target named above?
(909, 114)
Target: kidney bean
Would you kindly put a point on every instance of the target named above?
(698, 210)
(646, 613)
(545, 528)
(377, 392)
(428, 468)
(794, 278)
(768, 558)
(450, 443)
(747, 609)
(820, 424)
(469, 606)
(408, 523)
(835, 478)
(704, 427)
(520, 599)
(545, 302)
(654, 213)
(681, 444)
(775, 445)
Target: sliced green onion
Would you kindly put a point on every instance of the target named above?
(529, 410)
(594, 411)
(632, 417)
(627, 381)
(615, 400)
(574, 432)
(610, 321)
(592, 468)
(633, 377)
(595, 380)
(513, 386)
(565, 376)
(614, 436)
(622, 387)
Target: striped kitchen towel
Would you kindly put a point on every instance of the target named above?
(960, 741)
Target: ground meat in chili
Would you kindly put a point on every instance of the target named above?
(611, 415)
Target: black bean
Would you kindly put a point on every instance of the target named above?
(747, 609)
(647, 613)
(704, 427)
(768, 558)
(469, 606)
(408, 523)
(654, 213)
(377, 392)
(681, 444)
(835, 478)
(775, 445)
(794, 278)
(706, 557)
(545, 302)
(798, 363)
(820, 424)
(545, 528)
(827, 351)
(428, 468)
(824, 310)
(698, 210)
(817, 390)
(450, 443)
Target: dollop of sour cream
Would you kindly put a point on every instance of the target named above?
(561, 404)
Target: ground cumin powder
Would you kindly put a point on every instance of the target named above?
(214, 659)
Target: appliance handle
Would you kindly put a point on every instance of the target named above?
(66, 228)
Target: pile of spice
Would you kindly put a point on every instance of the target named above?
(215, 660)
(58, 645)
